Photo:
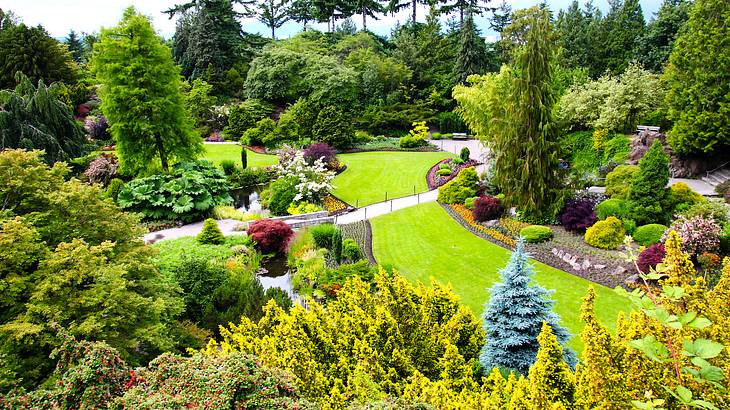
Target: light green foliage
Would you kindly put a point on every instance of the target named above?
(216, 153)
(170, 252)
(141, 98)
(199, 103)
(112, 190)
(261, 134)
(350, 250)
(716, 210)
(36, 54)
(416, 137)
(698, 76)
(244, 116)
(618, 208)
(380, 76)
(648, 195)
(302, 208)
(322, 235)
(650, 234)
(210, 234)
(586, 156)
(443, 172)
(283, 191)
(618, 181)
(469, 203)
(460, 188)
(536, 233)
(683, 197)
(606, 234)
(33, 117)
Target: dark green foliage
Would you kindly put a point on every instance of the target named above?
(210, 234)
(612, 207)
(199, 277)
(283, 191)
(200, 103)
(75, 46)
(620, 37)
(273, 14)
(334, 127)
(34, 118)
(464, 154)
(244, 158)
(279, 296)
(574, 35)
(648, 195)
(661, 34)
(350, 250)
(112, 190)
(460, 188)
(650, 234)
(244, 116)
(189, 192)
(141, 97)
(337, 245)
(536, 233)
(698, 76)
(322, 235)
(228, 167)
(472, 52)
(249, 177)
(240, 294)
(33, 52)
(450, 122)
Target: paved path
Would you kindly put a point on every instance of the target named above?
(193, 229)
(382, 208)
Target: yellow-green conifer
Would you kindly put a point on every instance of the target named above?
(550, 377)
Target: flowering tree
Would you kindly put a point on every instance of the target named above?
(698, 234)
(315, 181)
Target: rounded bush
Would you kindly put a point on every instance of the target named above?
(444, 165)
(469, 203)
(460, 188)
(612, 207)
(487, 208)
(210, 234)
(443, 172)
(464, 154)
(649, 234)
(698, 234)
(650, 257)
(283, 192)
(112, 190)
(350, 250)
(270, 235)
(683, 197)
(578, 215)
(322, 235)
(536, 233)
(618, 181)
(607, 234)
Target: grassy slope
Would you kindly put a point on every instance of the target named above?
(219, 152)
(370, 175)
(424, 243)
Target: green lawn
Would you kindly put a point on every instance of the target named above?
(369, 175)
(423, 242)
(220, 152)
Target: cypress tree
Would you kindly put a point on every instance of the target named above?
(648, 192)
(514, 315)
(472, 52)
(337, 245)
(244, 158)
(141, 98)
(551, 380)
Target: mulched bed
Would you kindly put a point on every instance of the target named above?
(362, 233)
(258, 149)
(607, 271)
(434, 181)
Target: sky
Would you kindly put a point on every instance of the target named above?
(60, 16)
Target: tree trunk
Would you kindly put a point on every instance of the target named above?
(161, 151)
(273, 34)
(461, 18)
(414, 3)
(364, 22)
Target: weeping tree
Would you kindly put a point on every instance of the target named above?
(513, 113)
(141, 98)
(33, 117)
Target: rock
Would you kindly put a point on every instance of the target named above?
(586, 264)
(555, 251)
(619, 271)
(492, 223)
(633, 279)
(599, 266)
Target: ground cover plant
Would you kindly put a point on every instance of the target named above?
(470, 264)
(370, 175)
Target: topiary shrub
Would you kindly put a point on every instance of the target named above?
(536, 233)
(578, 215)
(650, 257)
(460, 188)
(612, 207)
(322, 235)
(211, 234)
(619, 180)
(228, 166)
(606, 234)
(244, 158)
(464, 154)
(649, 234)
(350, 250)
(270, 235)
(683, 197)
(283, 191)
(487, 208)
(112, 190)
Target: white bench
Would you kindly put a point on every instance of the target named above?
(459, 136)
(643, 128)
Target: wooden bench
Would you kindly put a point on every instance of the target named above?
(460, 136)
(643, 128)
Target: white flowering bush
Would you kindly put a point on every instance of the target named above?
(315, 181)
(698, 234)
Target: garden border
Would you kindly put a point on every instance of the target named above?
(367, 246)
(431, 174)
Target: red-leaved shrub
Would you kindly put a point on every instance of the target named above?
(316, 151)
(270, 235)
(487, 208)
(578, 215)
(650, 257)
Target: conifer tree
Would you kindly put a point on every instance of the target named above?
(520, 399)
(141, 98)
(698, 76)
(302, 11)
(75, 46)
(368, 8)
(472, 52)
(648, 192)
(573, 36)
(661, 33)
(273, 14)
(244, 158)
(621, 34)
(514, 315)
(551, 380)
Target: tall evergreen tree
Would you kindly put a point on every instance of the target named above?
(273, 14)
(395, 6)
(621, 34)
(75, 46)
(141, 98)
(661, 33)
(472, 52)
(648, 193)
(34, 118)
(369, 8)
(33, 52)
(573, 36)
(698, 76)
(500, 19)
(302, 11)
(514, 316)
(463, 7)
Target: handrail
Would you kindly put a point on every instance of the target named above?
(707, 174)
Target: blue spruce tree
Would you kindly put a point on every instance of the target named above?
(513, 317)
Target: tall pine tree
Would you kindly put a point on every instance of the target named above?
(472, 52)
(623, 29)
(368, 8)
(141, 98)
(514, 315)
(661, 33)
(75, 46)
(573, 36)
(273, 14)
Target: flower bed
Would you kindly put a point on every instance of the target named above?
(362, 233)
(465, 217)
(434, 181)
(334, 205)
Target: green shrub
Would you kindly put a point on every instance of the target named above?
(450, 121)
(337, 245)
(683, 197)
(460, 188)
(445, 166)
(245, 116)
(469, 203)
(261, 134)
(629, 226)
(229, 212)
(715, 210)
(283, 191)
(302, 208)
(228, 166)
(725, 239)
(649, 234)
(606, 234)
(457, 161)
(648, 194)
(322, 235)
(412, 142)
(112, 190)
(464, 154)
(443, 172)
(436, 136)
(350, 250)
(612, 207)
(616, 149)
(211, 234)
(536, 233)
(619, 180)
(249, 177)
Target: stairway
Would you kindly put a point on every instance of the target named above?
(717, 177)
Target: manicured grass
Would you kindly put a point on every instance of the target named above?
(424, 243)
(369, 175)
(220, 152)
